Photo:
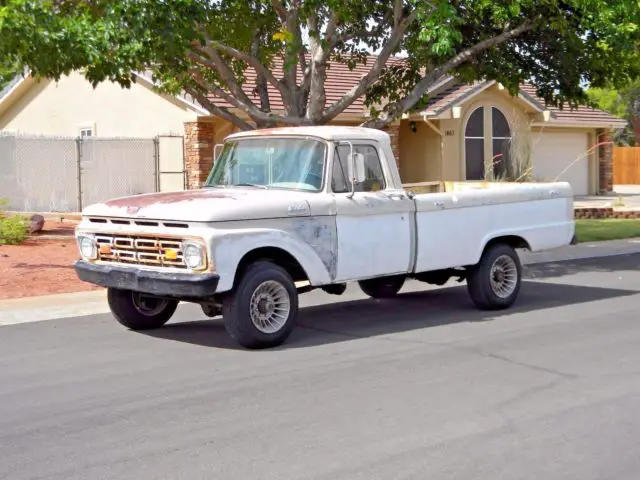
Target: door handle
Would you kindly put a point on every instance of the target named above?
(439, 204)
(398, 196)
(553, 193)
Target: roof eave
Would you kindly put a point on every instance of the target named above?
(560, 124)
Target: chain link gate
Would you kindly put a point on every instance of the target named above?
(65, 174)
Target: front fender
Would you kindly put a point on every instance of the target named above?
(310, 242)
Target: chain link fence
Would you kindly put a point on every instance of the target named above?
(65, 174)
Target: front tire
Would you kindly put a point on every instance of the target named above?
(140, 312)
(387, 287)
(262, 310)
(494, 283)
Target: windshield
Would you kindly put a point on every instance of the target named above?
(290, 163)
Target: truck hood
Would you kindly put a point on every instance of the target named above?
(215, 205)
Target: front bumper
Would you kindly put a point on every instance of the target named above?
(148, 281)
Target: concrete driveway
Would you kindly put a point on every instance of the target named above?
(419, 387)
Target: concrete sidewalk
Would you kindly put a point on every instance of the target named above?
(67, 305)
(583, 250)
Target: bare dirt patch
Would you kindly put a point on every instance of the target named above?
(40, 267)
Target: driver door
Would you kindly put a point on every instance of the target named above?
(373, 225)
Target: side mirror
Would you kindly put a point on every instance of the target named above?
(356, 167)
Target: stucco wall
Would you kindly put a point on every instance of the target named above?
(61, 108)
(420, 157)
(453, 129)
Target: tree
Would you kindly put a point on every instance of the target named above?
(7, 74)
(213, 47)
(624, 103)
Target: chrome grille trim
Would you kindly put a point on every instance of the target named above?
(140, 250)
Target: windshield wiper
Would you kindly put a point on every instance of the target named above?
(264, 187)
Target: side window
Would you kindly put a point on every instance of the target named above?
(374, 177)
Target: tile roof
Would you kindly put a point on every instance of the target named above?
(582, 114)
(455, 93)
(340, 79)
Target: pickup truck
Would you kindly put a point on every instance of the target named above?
(288, 210)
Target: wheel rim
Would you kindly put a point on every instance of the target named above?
(504, 276)
(270, 307)
(148, 306)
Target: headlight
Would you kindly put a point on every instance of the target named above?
(194, 255)
(88, 247)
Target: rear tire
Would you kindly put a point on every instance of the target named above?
(140, 312)
(262, 310)
(494, 283)
(386, 287)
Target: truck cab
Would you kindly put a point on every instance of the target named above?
(284, 211)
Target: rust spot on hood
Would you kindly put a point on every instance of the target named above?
(147, 200)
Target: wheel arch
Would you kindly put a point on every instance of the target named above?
(512, 240)
(297, 257)
(275, 255)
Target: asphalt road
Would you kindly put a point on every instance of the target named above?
(421, 387)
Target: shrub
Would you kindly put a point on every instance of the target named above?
(13, 229)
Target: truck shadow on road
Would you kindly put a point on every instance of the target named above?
(618, 263)
(349, 320)
(419, 310)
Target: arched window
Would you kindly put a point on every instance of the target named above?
(477, 142)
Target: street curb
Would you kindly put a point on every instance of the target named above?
(66, 305)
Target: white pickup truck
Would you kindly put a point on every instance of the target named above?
(288, 210)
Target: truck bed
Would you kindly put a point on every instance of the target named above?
(453, 226)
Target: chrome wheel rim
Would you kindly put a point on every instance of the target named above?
(270, 307)
(504, 276)
(148, 306)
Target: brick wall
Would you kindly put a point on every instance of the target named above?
(198, 144)
(604, 212)
(605, 162)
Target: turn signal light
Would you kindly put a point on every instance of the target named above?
(170, 254)
(105, 249)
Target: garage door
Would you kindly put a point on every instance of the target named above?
(554, 152)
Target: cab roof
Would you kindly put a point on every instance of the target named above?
(324, 132)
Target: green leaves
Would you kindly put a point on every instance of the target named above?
(568, 44)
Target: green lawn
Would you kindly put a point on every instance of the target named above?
(606, 229)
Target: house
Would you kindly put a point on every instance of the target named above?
(466, 132)
(73, 107)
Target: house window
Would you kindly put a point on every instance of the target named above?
(86, 132)
(477, 142)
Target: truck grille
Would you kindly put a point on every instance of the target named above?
(140, 250)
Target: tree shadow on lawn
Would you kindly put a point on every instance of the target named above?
(348, 320)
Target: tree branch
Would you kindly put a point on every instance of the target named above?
(221, 112)
(218, 64)
(250, 109)
(280, 10)
(395, 110)
(377, 31)
(397, 12)
(373, 74)
(318, 73)
(261, 81)
(251, 60)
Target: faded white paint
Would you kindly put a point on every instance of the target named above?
(338, 237)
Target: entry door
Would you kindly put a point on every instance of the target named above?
(374, 227)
